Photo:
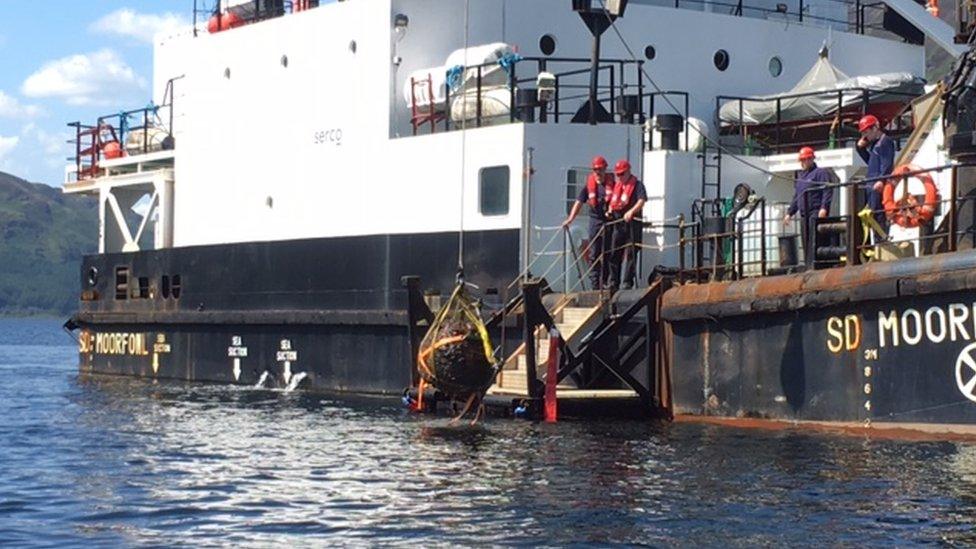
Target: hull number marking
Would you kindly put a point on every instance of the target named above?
(843, 334)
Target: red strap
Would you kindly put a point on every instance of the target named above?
(552, 372)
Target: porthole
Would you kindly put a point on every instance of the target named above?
(721, 60)
(227, 73)
(352, 46)
(650, 52)
(547, 44)
(284, 61)
(92, 276)
(775, 66)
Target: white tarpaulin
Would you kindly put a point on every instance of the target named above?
(820, 81)
(492, 77)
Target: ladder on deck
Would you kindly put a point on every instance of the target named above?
(711, 182)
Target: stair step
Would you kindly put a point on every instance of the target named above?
(540, 360)
(576, 315)
(515, 379)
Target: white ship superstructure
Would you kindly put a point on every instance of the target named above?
(296, 126)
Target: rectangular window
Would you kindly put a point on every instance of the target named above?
(121, 283)
(575, 180)
(493, 190)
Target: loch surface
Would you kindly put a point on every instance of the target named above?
(113, 461)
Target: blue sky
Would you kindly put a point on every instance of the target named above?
(72, 61)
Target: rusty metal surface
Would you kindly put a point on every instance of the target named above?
(817, 289)
(246, 318)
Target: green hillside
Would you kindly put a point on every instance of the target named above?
(43, 234)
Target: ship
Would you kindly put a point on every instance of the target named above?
(312, 179)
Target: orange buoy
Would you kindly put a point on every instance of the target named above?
(906, 211)
(224, 21)
(112, 150)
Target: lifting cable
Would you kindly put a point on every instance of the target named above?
(464, 137)
(716, 144)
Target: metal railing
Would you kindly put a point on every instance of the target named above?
(799, 14)
(865, 232)
(715, 247)
(722, 246)
(110, 136)
(827, 131)
(251, 12)
(621, 93)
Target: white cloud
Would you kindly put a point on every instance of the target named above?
(10, 107)
(142, 27)
(7, 144)
(98, 78)
(54, 145)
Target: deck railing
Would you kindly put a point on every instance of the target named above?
(111, 136)
(622, 94)
(715, 246)
(833, 130)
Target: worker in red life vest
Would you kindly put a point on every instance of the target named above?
(596, 194)
(625, 212)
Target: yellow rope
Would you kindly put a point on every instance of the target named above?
(457, 301)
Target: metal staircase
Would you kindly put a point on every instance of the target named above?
(569, 321)
(612, 350)
(612, 357)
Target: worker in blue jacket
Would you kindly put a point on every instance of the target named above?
(811, 197)
(878, 152)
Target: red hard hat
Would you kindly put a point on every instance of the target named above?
(866, 122)
(622, 167)
(806, 153)
(599, 162)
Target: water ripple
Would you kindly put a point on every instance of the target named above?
(114, 461)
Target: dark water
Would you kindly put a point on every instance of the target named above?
(124, 462)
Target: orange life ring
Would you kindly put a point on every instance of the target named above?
(907, 211)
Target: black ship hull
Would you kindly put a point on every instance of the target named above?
(884, 344)
(330, 312)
